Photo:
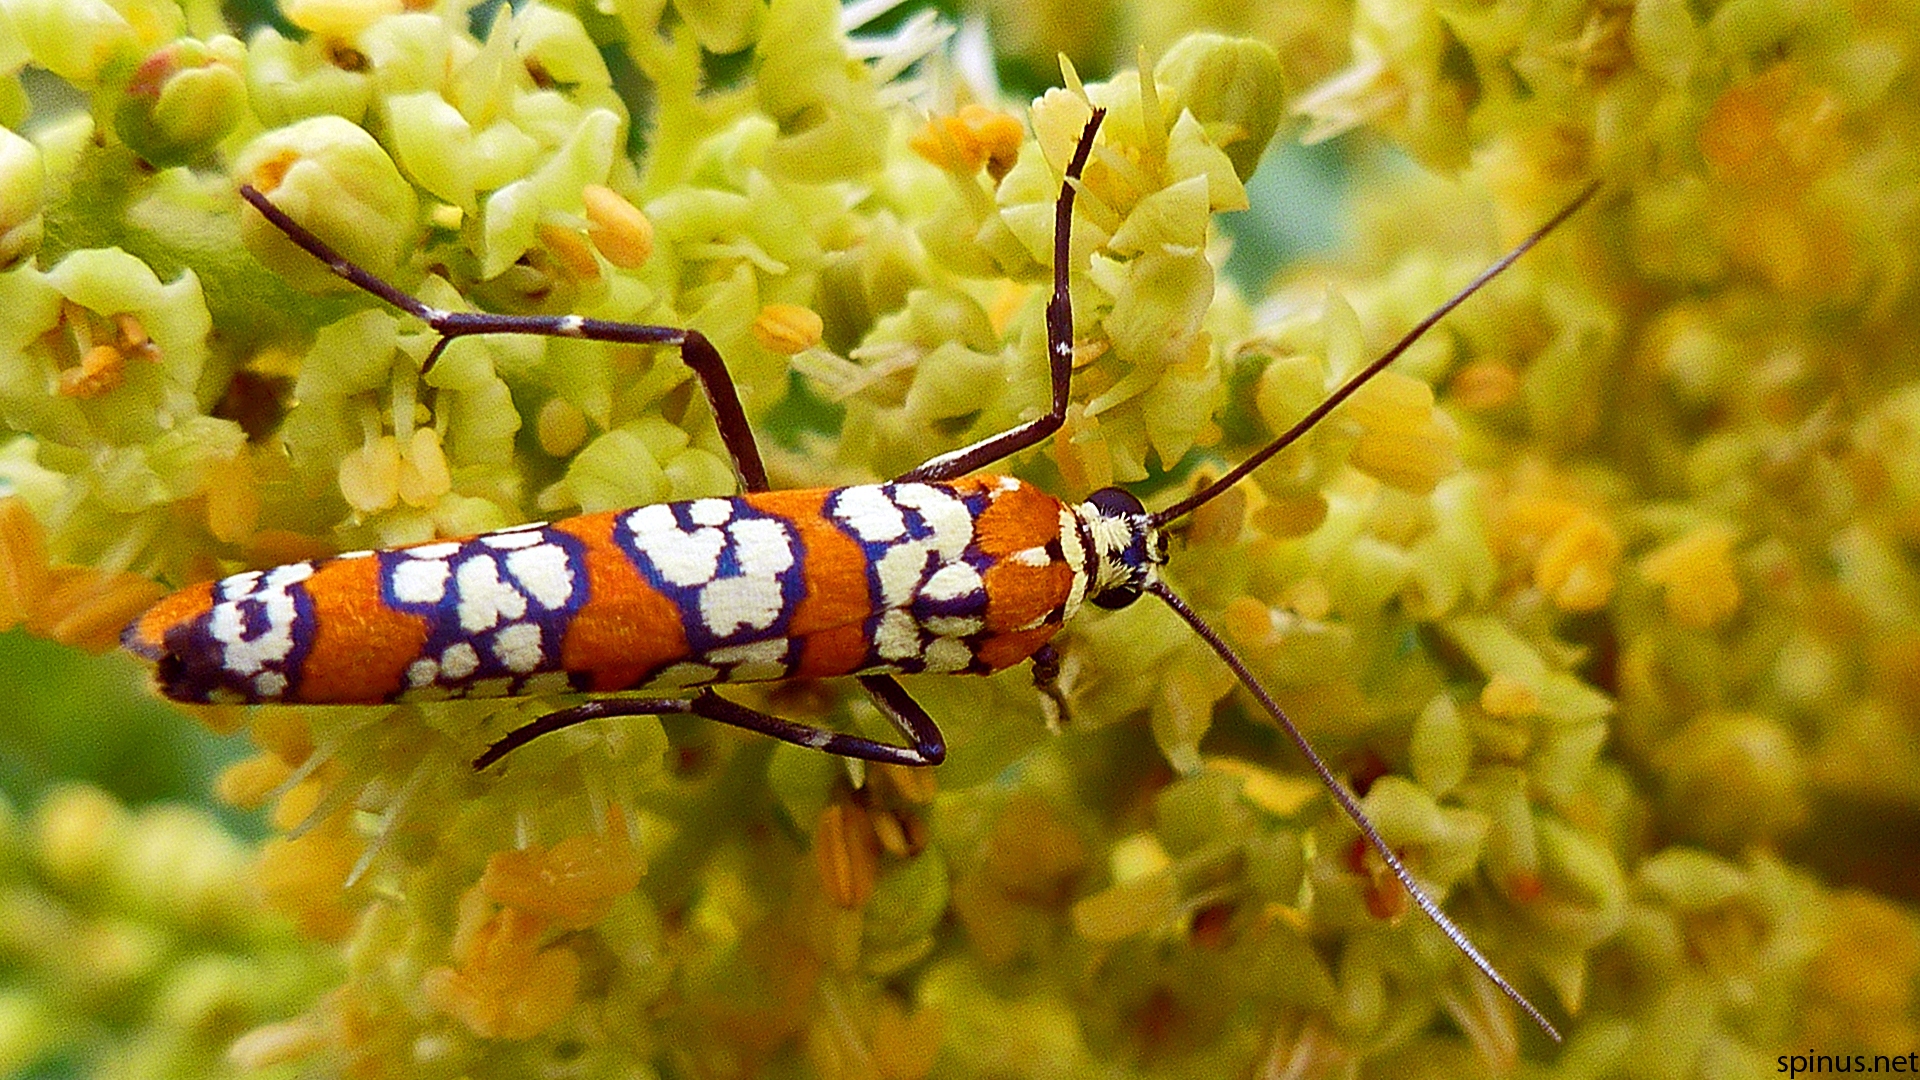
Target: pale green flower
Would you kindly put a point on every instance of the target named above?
(1614, 561)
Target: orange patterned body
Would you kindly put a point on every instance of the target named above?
(971, 575)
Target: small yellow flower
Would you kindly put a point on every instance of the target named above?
(100, 372)
(1697, 573)
(23, 562)
(905, 1044)
(846, 851)
(561, 427)
(1573, 550)
(1577, 566)
(23, 195)
(233, 498)
(573, 883)
(1295, 515)
(1772, 128)
(504, 985)
(424, 477)
(277, 1044)
(247, 784)
(1405, 441)
(1484, 384)
(1857, 1004)
(1247, 621)
(338, 18)
(75, 830)
(303, 878)
(787, 328)
(617, 227)
(282, 733)
(974, 136)
(370, 476)
(1508, 697)
(570, 248)
(916, 787)
(87, 608)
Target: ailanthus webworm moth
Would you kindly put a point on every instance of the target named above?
(939, 570)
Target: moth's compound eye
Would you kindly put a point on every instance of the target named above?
(1116, 502)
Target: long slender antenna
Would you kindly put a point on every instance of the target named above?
(1341, 795)
(1351, 807)
(1234, 475)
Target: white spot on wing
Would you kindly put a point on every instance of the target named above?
(508, 541)
(951, 582)
(282, 576)
(954, 625)
(420, 581)
(1074, 552)
(238, 585)
(944, 514)
(244, 656)
(543, 572)
(485, 600)
(422, 672)
(948, 655)
(730, 605)
(682, 558)
(897, 637)
(753, 599)
(899, 571)
(754, 662)
(760, 545)
(518, 647)
(1033, 556)
(459, 660)
(869, 513)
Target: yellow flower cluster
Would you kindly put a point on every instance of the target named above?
(1602, 597)
(135, 943)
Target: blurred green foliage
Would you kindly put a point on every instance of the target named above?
(71, 717)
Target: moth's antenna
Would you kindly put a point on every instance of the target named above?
(1351, 806)
(1234, 475)
(1345, 798)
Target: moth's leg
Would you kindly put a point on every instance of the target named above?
(1059, 345)
(735, 433)
(1046, 679)
(905, 714)
(697, 352)
(908, 717)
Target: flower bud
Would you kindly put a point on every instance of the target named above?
(23, 194)
(334, 179)
(1232, 86)
(85, 42)
(183, 100)
(289, 81)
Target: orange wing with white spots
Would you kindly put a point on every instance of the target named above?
(971, 575)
